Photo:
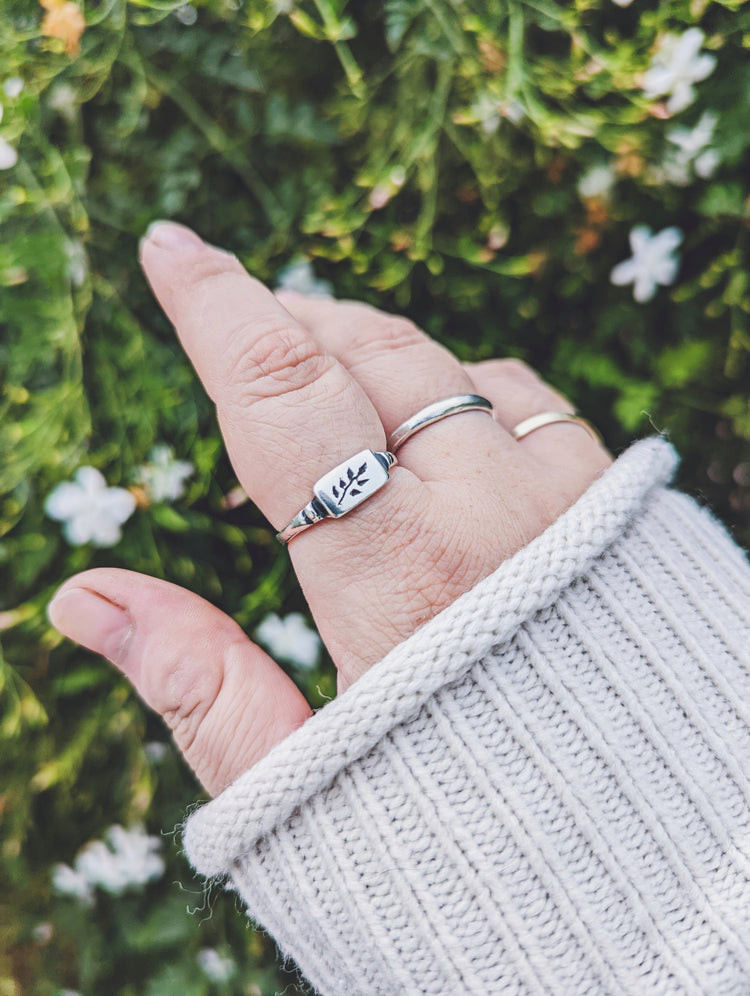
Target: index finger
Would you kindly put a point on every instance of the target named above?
(289, 412)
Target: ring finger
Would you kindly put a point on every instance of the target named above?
(517, 392)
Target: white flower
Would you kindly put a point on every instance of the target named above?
(99, 866)
(381, 193)
(513, 110)
(694, 145)
(163, 476)
(622, 3)
(597, 181)
(486, 110)
(653, 262)
(69, 882)
(290, 639)
(13, 86)
(63, 100)
(299, 276)
(675, 67)
(92, 512)
(669, 171)
(8, 155)
(219, 968)
(43, 932)
(155, 751)
(78, 264)
(127, 860)
(186, 14)
(137, 852)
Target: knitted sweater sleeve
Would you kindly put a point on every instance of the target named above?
(545, 790)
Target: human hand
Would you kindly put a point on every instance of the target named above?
(301, 384)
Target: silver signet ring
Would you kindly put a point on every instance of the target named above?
(340, 490)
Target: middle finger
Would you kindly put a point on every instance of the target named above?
(402, 370)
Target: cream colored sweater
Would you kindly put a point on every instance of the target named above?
(545, 790)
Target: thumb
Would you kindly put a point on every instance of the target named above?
(225, 701)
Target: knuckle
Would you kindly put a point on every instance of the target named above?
(266, 358)
(390, 333)
(250, 720)
(189, 689)
(511, 366)
(398, 331)
(208, 273)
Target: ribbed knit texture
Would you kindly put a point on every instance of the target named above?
(545, 790)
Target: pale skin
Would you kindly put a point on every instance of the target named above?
(301, 384)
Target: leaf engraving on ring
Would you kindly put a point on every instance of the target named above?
(353, 485)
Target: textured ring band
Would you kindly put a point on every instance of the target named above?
(341, 490)
(549, 418)
(435, 412)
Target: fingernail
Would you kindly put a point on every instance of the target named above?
(169, 235)
(93, 621)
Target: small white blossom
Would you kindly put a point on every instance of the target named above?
(43, 932)
(69, 882)
(486, 110)
(622, 3)
(155, 751)
(397, 176)
(653, 262)
(127, 860)
(693, 146)
(218, 967)
(597, 181)
(381, 193)
(513, 110)
(675, 67)
(299, 276)
(91, 512)
(290, 639)
(98, 865)
(163, 476)
(670, 171)
(78, 264)
(12, 87)
(62, 99)
(135, 853)
(186, 14)
(8, 155)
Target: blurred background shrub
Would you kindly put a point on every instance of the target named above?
(485, 166)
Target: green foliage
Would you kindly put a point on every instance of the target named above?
(427, 156)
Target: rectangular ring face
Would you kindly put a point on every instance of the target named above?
(347, 485)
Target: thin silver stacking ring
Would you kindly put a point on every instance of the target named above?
(549, 418)
(433, 413)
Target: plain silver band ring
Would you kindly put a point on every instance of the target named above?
(433, 413)
(530, 425)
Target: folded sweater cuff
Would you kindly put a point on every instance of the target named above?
(544, 790)
(437, 654)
